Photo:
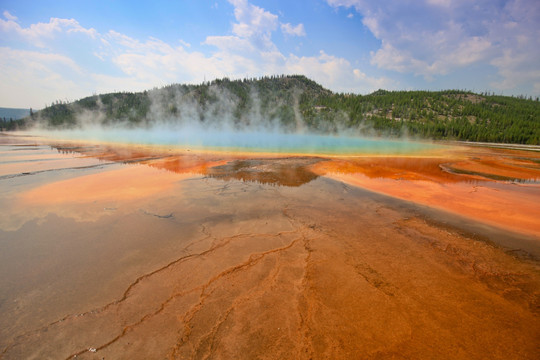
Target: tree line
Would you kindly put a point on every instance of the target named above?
(449, 114)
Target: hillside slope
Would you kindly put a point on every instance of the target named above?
(296, 103)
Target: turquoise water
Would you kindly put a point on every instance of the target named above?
(249, 141)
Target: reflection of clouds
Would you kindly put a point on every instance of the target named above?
(89, 197)
(17, 159)
(20, 215)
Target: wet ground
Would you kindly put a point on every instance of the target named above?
(117, 252)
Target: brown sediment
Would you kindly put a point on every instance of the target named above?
(257, 258)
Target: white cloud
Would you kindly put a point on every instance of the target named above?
(444, 3)
(515, 70)
(51, 71)
(38, 34)
(253, 21)
(437, 37)
(297, 30)
(184, 43)
(252, 31)
(335, 73)
(8, 16)
(373, 25)
(231, 43)
(155, 63)
(244, 54)
(36, 78)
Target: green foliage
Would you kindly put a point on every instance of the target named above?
(451, 114)
(59, 115)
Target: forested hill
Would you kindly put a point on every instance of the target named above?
(296, 102)
(450, 114)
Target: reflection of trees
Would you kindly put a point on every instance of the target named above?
(279, 171)
(294, 171)
(284, 172)
(109, 153)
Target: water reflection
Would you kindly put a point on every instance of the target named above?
(488, 176)
(472, 167)
(477, 169)
(288, 171)
(291, 172)
(514, 166)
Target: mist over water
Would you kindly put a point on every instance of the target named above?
(270, 123)
(198, 138)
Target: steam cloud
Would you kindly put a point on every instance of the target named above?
(223, 121)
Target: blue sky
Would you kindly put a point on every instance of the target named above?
(65, 50)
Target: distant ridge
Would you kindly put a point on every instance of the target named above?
(295, 103)
(7, 114)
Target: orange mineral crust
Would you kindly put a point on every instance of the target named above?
(144, 253)
(521, 166)
(463, 186)
(122, 184)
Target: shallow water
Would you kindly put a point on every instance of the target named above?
(202, 139)
(146, 252)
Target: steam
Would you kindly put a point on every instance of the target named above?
(220, 120)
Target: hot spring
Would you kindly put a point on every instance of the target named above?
(259, 141)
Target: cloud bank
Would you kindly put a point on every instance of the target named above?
(417, 43)
(436, 37)
(247, 51)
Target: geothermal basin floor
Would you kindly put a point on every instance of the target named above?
(115, 253)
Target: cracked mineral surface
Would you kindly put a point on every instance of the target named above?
(116, 252)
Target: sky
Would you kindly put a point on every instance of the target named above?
(67, 50)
